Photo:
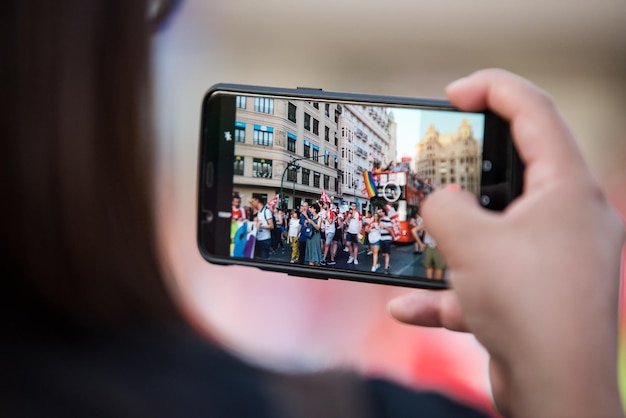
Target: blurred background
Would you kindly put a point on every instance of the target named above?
(574, 49)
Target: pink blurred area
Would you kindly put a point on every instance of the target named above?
(297, 324)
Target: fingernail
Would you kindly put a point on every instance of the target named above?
(453, 187)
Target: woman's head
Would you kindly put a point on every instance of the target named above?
(315, 208)
(79, 230)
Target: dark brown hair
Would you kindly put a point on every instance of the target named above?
(75, 157)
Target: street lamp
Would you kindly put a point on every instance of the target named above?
(293, 164)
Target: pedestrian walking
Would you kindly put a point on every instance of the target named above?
(313, 251)
(374, 234)
(292, 235)
(355, 224)
(302, 238)
(264, 225)
(386, 238)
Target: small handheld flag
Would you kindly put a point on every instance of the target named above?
(324, 198)
(273, 202)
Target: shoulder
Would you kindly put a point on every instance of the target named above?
(344, 394)
(112, 374)
(392, 400)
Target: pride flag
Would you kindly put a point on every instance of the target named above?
(370, 183)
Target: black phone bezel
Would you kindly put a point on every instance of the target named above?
(500, 183)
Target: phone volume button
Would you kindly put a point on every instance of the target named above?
(209, 173)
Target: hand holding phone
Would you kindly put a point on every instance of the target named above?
(352, 155)
(539, 286)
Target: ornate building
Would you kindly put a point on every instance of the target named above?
(450, 158)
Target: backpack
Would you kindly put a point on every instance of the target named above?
(272, 217)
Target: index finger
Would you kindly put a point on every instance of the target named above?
(542, 138)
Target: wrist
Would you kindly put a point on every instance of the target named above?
(566, 380)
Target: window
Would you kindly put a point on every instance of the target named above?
(336, 184)
(316, 126)
(316, 105)
(261, 168)
(326, 182)
(292, 174)
(240, 134)
(240, 102)
(264, 105)
(327, 134)
(336, 162)
(307, 150)
(291, 143)
(291, 112)
(326, 159)
(327, 109)
(316, 179)
(307, 121)
(305, 176)
(238, 165)
(263, 136)
(316, 154)
(336, 141)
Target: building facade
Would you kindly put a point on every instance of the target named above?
(367, 137)
(304, 147)
(450, 158)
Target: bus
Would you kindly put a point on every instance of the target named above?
(400, 193)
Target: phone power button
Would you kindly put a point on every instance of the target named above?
(209, 174)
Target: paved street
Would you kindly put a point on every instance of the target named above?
(402, 260)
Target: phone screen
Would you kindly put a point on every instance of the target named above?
(324, 184)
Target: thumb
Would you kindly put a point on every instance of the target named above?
(454, 218)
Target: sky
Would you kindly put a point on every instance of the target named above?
(413, 123)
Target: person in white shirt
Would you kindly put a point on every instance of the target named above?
(386, 238)
(265, 224)
(294, 230)
(355, 223)
(328, 225)
(374, 235)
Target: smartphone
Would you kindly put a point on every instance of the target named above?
(327, 185)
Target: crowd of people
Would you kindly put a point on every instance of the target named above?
(314, 233)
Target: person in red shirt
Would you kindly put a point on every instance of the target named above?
(238, 213)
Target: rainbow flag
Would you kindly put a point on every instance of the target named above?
(370, 183)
